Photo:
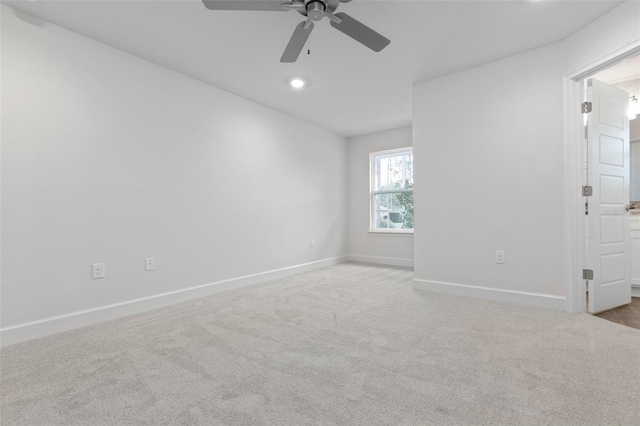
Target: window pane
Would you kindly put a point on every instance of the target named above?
(393, 210)
(393, 171)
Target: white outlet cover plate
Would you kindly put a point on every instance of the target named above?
(97, 270)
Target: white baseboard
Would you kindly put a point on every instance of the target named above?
(34, 329)
(392, 261)
(500, 295)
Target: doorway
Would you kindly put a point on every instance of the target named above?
(620, 69)
(625, 75)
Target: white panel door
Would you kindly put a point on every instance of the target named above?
(609, 243)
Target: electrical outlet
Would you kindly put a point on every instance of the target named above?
(501, 257)
(150, 264)
(97, 270)
(312, 243)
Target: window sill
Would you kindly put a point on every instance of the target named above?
(391, 233)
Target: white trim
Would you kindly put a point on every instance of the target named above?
(635, 234)
(574, 233)
(40, 328)
(391, 234)
(392, 231)
(392, 261)
(606, 61)
(392, 191)
(540, 300)
(391, 151)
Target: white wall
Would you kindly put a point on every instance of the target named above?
(392, 249)
(488, 155)
(611, 32)
(488, 147)
(109, 158)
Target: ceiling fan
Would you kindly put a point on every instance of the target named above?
(314, 10)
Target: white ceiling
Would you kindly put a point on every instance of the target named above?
(353, 90)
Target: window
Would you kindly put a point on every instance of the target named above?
(392, 191)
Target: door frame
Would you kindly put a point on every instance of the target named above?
(574, 231)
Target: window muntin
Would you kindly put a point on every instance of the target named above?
(392, 191)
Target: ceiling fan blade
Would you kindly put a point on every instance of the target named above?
(297, 41)
(360, 32)
(268, 5)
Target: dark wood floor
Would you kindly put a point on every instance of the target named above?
(628, 315)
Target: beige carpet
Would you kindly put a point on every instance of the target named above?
(349, 344)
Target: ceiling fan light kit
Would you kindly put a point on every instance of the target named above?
(314, 11)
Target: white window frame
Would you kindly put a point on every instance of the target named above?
(372, 193)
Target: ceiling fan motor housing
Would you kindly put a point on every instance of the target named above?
(315, 9)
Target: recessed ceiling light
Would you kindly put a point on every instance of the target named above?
(297, 83)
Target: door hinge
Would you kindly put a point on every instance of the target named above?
(586, 107)
(587, 191)
(587, 274)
